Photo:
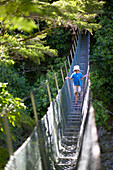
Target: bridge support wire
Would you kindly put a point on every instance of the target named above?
(102, 106)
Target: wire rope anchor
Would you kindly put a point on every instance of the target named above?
(34, 106)
(62, 74)
(56, 82)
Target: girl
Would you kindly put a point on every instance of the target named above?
(77, 77)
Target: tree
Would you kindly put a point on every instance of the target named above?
(21, 15)
(14, 25)
(80, 13)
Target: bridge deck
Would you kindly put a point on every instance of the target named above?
(67, 158)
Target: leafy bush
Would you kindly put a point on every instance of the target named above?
(12, 106)
(17, 86)
(101, 64)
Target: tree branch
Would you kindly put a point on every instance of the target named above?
(39, 17)
(40, 33)
(5, 2)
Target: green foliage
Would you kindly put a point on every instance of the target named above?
(19, 16)
(16, 26)
(13, 106)
(41, 94)
(80, 13)
(57, 39)
(104, 42)
(101, 61)
(13, 15)
(17, 86)
(102, 115)
(17, 50)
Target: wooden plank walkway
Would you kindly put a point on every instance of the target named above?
(69, 141)
(67, 158)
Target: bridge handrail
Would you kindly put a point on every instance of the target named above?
(88, 147)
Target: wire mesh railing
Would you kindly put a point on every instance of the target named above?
(56, 113)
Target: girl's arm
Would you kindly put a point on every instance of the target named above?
(84, 76)
(68, 78)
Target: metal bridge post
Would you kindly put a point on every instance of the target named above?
(73, 50)
(71, 55)
(75, 44)
(7, 132)
(62, 74)
(65, 67)
(34, 107)
(56, 82)
(48, 89)
(68, 61)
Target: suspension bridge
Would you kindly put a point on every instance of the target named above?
(66, 137)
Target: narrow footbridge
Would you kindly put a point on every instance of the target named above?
(66, 137)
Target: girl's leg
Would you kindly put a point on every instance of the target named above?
(76, 97)
(79, 91)
(75, 92)
(79, 94)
